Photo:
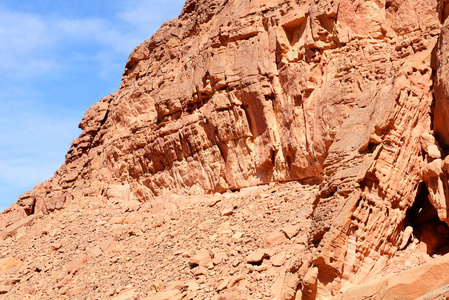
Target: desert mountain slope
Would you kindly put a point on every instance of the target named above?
(347, 98)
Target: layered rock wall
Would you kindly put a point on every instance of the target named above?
(236, 93)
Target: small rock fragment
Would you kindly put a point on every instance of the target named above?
(257, 256)
(75, 291)
(434, 151)
(222, 284)
(192, 285)
(279, 259)
(55, 246)
(228, 296)
(261, 268)
(290, 231)
(199, 271)
(235, 279)
(158, 286)
(127, 295)
(11, 281)
(406, 237)
(201, 258)
(167, 295)
(94, 251)
(227, 211)
(275, 238)
(311, 277)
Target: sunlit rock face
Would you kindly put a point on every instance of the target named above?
(237, 93)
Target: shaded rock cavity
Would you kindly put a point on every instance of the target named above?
(432, 233)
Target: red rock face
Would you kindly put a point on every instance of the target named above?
(241, 93)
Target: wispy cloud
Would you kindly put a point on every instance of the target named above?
(31, 42)
(24, 40)
(144, 16)
(48, 63)
(32, 143)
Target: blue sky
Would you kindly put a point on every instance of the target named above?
(57, 58)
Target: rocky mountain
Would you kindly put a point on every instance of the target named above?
(345, 100)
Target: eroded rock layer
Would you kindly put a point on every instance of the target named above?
(237, 93)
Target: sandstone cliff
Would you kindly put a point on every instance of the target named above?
(348, 96)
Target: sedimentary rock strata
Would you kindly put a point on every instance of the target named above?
(348, 96)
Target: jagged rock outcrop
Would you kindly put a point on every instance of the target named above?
(348, 95)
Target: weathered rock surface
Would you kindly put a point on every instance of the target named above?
(411, 284)
(350, 97)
